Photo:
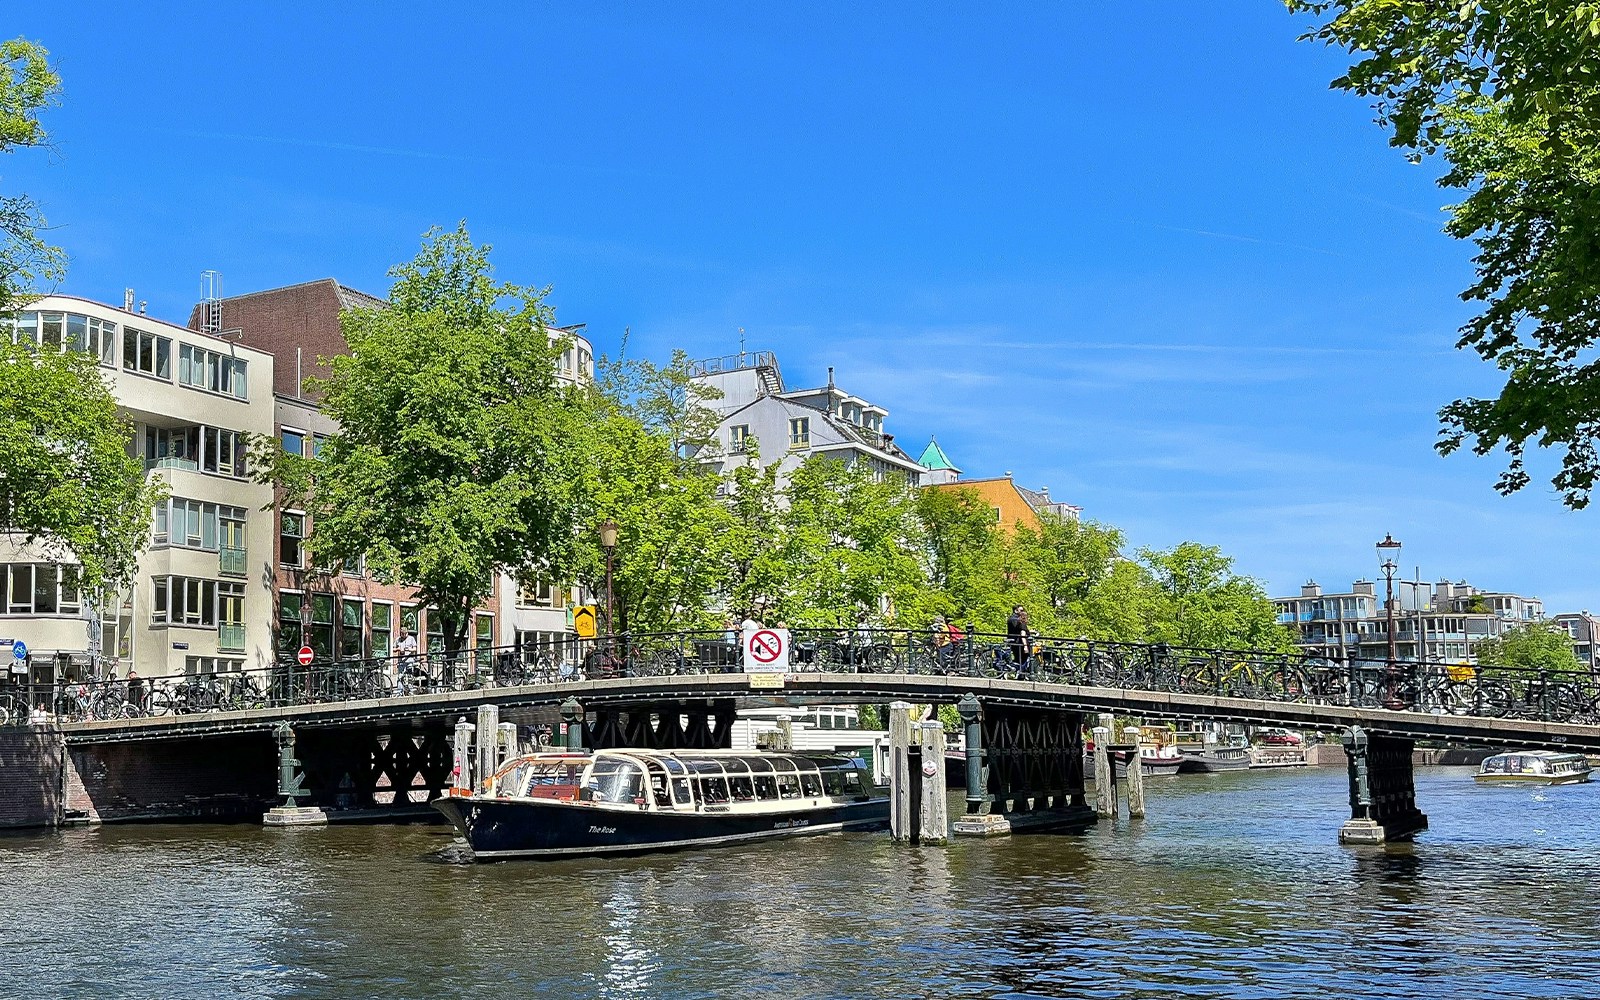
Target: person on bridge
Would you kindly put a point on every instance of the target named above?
(1018, 638)
(410, 671)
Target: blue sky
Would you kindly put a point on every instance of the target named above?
(1141, 255)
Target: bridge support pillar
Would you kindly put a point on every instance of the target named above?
(978, 821)
(573, 715)
(1383, 798)
(291, 813)
(1036, 767)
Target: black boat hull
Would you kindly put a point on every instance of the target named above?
(519, 828)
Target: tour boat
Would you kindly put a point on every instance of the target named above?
(1534, 767)
(628, 801)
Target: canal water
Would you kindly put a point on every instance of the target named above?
(1232, 887)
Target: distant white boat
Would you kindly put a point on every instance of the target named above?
(1533, 767)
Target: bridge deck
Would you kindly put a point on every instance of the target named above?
(858, 688)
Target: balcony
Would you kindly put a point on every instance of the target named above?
(188, 464)
(230, 638)
(232, 562)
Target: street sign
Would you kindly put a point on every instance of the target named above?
(19, 650)
(305, 656)
(766, 682)
(766, 650)
(586, 621)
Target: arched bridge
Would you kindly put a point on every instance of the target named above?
(382, 724)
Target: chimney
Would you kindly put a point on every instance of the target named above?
(1008, 473)
(830, 376)
(127, 300)
(141, 307)
(1310, 589)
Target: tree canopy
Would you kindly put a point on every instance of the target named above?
(1534, 646)
(455, 456)
(67, 481)
(28, 85)
(1508, 91)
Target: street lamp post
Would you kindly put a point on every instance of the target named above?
(608, 541)
(1389, 561)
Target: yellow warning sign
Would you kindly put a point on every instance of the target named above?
(766, 680)
(586, 621)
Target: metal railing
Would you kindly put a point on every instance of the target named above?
(1436, 688)
(232, 562)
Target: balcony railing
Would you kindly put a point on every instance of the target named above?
(171, 463)
(230, 638)
(232, 562)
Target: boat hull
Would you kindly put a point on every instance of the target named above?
(1201, 763)
(519, 828)
(1532, 779)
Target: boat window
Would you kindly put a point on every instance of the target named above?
(766, 786)
(1494, 765)
(811, 783)
(742, 788)
(616, 781)
(713, 791)
(789, 786)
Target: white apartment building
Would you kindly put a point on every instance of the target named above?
(788, 426)
(202, 598)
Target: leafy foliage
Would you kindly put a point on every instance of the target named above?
(1535, 645)
(1509, 90)
(67, 480)
(455, 455)
(27, 86)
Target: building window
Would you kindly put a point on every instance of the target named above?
(485, 635)
(435, 623)
(146, 353)
(351, 615)
(294, 442)
(541, 594)
(203, 369)
(382, 622)
(322, 625)
(190, 523)
(800, 432)
(997, 514)
(411, 620)
(289, 625)
(39, 589)
(585, 363)
(291, 536)
(737, 435)
(184, 600)
(318, 442)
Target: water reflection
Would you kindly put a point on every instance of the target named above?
(1230, 888)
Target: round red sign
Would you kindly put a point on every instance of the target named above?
(306, 656)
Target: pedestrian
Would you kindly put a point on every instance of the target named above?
(1017, 637)
(136, 690)
(410, 671)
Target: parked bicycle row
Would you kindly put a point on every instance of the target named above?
(1439, 688)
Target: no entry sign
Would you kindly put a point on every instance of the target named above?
(766, 650)
(305, 656)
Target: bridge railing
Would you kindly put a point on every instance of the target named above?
(1439, 688)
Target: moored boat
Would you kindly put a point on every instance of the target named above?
(629, 801)
(1154, 759)
(1533, 767)
(1215, 758)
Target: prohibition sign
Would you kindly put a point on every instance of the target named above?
(766, 646)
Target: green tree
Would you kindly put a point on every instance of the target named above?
(67, 479)
(455, 457)
(1204, 603)
(852, 543)
(672, 528)
(1509, 91)
(964, 560)
(759, 578)
(1533, 646)
(27, 86)
(1064, 562)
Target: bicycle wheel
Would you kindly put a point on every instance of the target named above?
(162, 702)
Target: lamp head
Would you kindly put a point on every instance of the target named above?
(608, 534)
(1388, 552)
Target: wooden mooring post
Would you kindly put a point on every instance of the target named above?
(1135, 773)
(933, 825)
(900, 812)
(1105, 785)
